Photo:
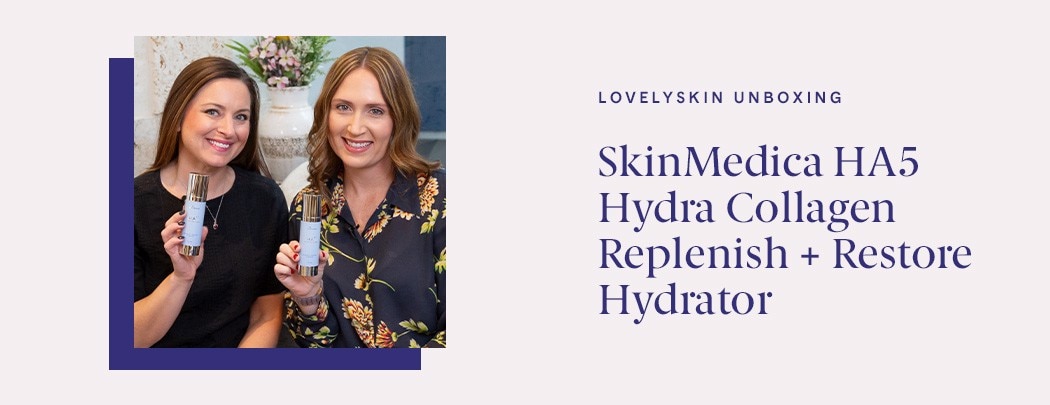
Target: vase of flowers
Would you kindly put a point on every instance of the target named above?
(286, 65)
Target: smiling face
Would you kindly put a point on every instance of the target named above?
(360, 124)
(216, 125)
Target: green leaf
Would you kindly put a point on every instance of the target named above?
(439, 265)
(415, 326)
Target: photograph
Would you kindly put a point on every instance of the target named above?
(331, 153)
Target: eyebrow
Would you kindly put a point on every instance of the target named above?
(217, 105)
(340, 100)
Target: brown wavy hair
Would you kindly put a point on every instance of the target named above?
(189, 82)
(396, 87)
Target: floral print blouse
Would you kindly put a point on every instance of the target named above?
(385, 286)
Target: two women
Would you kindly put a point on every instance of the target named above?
(383, 218)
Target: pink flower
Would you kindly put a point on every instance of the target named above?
(279, 82)
(286, 57)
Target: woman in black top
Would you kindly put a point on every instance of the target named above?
(227, 295)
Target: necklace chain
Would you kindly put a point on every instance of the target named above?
(215, 216)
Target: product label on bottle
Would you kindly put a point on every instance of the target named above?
(191, 232)
(310, 243)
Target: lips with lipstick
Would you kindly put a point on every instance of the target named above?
(219, 146)
(357, 146)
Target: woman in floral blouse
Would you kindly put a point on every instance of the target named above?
(381, 279)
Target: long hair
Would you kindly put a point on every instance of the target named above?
(189, 82)
(396, 87)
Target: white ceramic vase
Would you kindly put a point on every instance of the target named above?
(283, 127)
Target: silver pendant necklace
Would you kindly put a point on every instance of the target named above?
(215, 216)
